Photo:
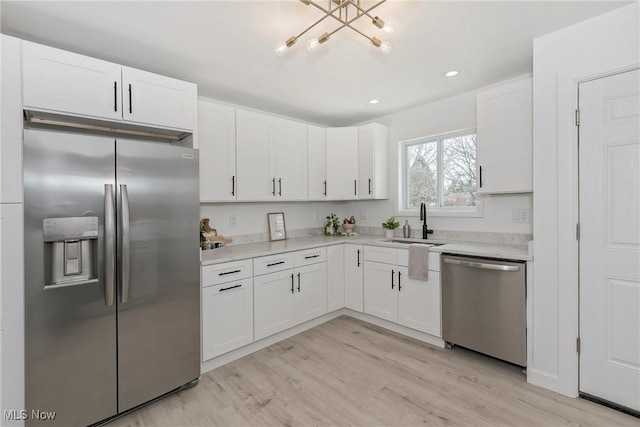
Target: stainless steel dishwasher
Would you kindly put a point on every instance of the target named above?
(483, 306)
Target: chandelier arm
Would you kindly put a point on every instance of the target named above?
(346, 23)
(366, 12)
(313, 25)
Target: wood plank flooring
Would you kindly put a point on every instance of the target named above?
(350, 373)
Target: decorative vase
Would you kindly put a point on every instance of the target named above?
(328, 230)
(388, 233)
(348, 228)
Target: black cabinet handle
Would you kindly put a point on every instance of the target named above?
(480, 176)
(312, 256)
(325, 187)
(355, 187)
(399, 286)
(358, 257)
(298, 282)
(233, 185)
(393, 273)
(369, 185)
(273, 186)
(279, 186)
(130, 106)
(115, 96)
(229, 272)
(292, 283)
(230, 287)
(275, 263)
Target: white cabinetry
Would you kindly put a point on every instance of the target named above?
(227, 307)
(217, 145)
(504, 139)
(63, 82)
(391, 295)
(335, 277)
(317, 162)
(285, 298)
(271, 158)
(353, 276)
(342, 163)
(373, 163)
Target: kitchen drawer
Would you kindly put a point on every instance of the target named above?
(309, 256)
(271, 263)
(381, 254)
(433, 262)
(226, 272)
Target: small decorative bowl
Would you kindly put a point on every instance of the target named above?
(348, 228)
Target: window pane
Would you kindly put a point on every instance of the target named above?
(459, 171)
(422, 174)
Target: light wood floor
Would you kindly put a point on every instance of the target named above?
(348, 372)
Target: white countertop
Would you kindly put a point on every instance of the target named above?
(253, 250)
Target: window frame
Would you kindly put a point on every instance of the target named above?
(403, 179)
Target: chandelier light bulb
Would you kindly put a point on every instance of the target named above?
(388, 29)
(281, 48)
(312, 44)
(385, 47)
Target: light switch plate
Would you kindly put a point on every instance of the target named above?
(520, 215)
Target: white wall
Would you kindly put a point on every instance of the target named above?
(598, 46)
(450, 114)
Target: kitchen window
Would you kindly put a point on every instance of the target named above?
(441, 171)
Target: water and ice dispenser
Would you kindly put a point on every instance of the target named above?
(70, 251)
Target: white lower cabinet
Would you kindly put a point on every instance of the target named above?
(310, 298)
(335, 277)
(227, 317)
(353, 276)
(389, 293)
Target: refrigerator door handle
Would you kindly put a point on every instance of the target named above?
(109, 245)
(124, 238)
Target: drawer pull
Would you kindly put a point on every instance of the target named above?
(230, 287)
(312, 256)
(229, 272)
(275, 263)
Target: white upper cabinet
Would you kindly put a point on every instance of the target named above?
(342, 163)
(373, 161)
(271, 157)
(317, 162)
(158, 100)
(504, 139)
(255, 182)
(289, 158)
(58, 81)
(217, 144)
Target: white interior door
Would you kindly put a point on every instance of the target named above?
(609, 158)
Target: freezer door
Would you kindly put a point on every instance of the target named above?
(70, 330)
(158, 277)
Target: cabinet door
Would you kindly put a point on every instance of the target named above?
(217, 144)
(419, 302)
(353, 277)
(504, 139)
(255, 181)
(158, 100)
(335, 277)
(61, 81)
(227, 317)
(366, 141)
(380, 290)
(273, 303)
(311, 292)
(342, 163)
(289, 158)
(317, 162)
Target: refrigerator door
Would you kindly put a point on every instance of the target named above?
(70, 330)
(158, 277)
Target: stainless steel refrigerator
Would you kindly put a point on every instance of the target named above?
(112, 294)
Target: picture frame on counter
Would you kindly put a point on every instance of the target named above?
(277, 227)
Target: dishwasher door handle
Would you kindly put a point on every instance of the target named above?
(482, 265)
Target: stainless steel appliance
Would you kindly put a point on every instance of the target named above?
(483, 306)
(112, 296)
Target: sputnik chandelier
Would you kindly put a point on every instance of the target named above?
(345, 12)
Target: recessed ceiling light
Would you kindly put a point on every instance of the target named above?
(373, 101)
(452, 73)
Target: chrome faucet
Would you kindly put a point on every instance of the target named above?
(423, 218)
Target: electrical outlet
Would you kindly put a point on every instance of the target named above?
(233, 220)
(363, 214)
(520, 215)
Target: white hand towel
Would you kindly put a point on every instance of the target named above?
(418, 258)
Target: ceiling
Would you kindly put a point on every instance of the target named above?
(227, 48)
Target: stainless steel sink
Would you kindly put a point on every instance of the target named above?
(406, 241)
